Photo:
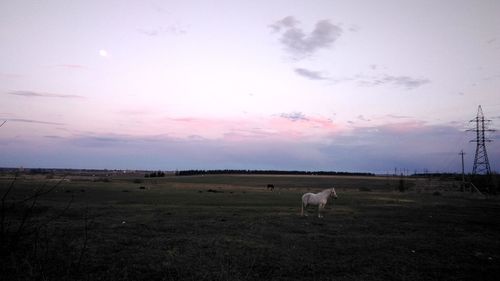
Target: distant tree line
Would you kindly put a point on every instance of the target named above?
(157, 174)
(438, 175)
(267, 172)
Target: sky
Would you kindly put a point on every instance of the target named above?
(365, 86)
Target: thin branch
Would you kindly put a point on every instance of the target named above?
(3, 123)
(2, 218)
(26, 217)
(9, 189)
(85, 240)
(57, 216)
(39, 191)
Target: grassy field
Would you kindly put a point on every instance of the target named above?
(231, 228)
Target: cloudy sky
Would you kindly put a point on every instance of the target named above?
(262, 84)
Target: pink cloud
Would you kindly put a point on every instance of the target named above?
(239, 129)
(312, 126)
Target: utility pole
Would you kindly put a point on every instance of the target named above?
(481, 162)
(463, 171)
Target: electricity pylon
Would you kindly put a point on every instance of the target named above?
(481, 163)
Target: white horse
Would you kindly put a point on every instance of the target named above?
(319, 199)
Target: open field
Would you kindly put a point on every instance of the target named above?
(231, 228)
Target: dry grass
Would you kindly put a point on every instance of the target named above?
(177, 230)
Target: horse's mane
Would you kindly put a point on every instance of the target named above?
(326, 190)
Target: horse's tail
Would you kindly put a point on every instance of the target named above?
(304, 203)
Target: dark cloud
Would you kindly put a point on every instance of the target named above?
(294, 116)
(492, 77)
(32, 94)
(362, 118)
(406, 82)
(398, 116)
(162, 152)
(175, 29)
(309, 74)
(318, 75)
(100, 141)
(403, 81)
(301, 44)
(413, 145)
(354, 28)
(34, 121)
(10, 75)
(255, 133)
(54, 137)
(148, 32)
(287, 22)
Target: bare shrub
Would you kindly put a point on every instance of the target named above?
(34, 245)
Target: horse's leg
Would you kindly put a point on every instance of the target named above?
(320, 207)
(304, 206)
